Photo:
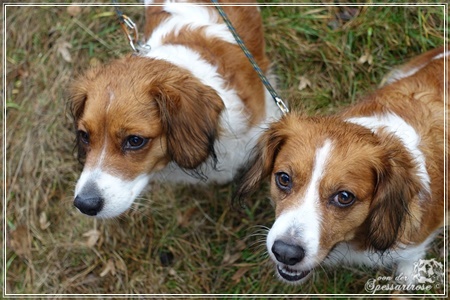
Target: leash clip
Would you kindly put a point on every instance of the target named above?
(128, 26)
(281, 105)
(126, 23)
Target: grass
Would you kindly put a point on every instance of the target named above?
(175, 239)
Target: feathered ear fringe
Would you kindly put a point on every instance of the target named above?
(77, 96)
(190, 114)
(262, 159)
(396, 188)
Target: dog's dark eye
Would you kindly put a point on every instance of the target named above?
(283, 181)
(134, 142)
(343, 199)
(83, 136)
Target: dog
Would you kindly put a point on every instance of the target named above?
(186, 111)
(364, 186)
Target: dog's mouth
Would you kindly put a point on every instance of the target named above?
(291, 275)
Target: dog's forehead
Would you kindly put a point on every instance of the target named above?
(301, 144)
(116, 109)
(295, 158)
(348, 142)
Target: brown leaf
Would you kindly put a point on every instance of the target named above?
(23, 72)
(239, 273)
(184, 218)
(367, 57)
(63, 49)
(304, 83)
(74, 10)
(120, 265)
(230, 259)
(93, 236)
(43, 221)
(20, 241)
(109, 268)
(172, 272)
(347, 13)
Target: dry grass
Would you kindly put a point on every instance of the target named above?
(175, 239)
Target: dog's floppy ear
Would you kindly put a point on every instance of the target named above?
(77, 94)
(396, 187)
(190, 113)
(261, 162)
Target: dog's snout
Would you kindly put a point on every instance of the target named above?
(287, 253)
(89, 201)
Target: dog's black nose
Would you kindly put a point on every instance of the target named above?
(88, 206)
(89, 201)
(287, 253)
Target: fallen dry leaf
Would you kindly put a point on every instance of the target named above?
(93, 236)
(63, 49)
(239, 273)
(120, 265)
(109, 268)
(367, 57)
(20, 241)
(230, 259)
(184, 218)
(172, 272)
(74, 10)
(43, 221)
(304, 83)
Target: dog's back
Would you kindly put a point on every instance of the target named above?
(416, 92)
(232, 64)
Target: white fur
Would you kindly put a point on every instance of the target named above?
(193, 16)
(406, 134)
(441, 55)
(190, 60)
(403, 257)
(398, 74)
(301, 225)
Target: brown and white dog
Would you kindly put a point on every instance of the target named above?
(363, 187)
(190, 105)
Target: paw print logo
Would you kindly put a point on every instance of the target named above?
(428, 271)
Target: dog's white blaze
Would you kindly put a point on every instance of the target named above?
(403, 131)
(103, 152)
(118, 194)
(193, 16)
(112, 96)
(301, 225)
